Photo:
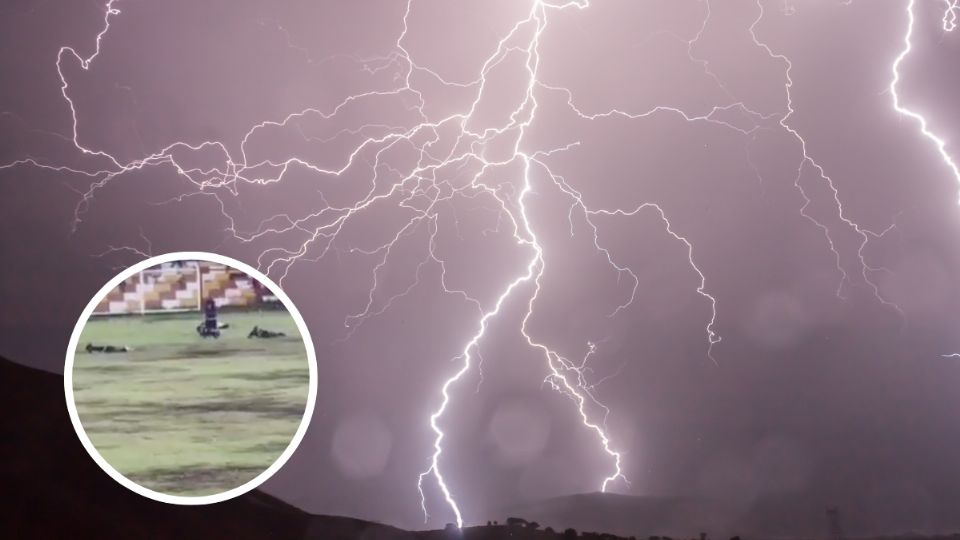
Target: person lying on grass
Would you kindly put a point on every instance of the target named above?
(258, 332)
(91, 348)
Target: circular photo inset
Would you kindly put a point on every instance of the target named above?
(190, 378)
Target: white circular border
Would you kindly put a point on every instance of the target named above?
(179, 499)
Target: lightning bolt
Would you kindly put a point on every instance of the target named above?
(808, 162)
(462, 166)
(526, 236)
(949, 24)
(952, 8)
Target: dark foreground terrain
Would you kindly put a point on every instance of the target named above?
(53, 489)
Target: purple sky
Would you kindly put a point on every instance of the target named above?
(398, 209)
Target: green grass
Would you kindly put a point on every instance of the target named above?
(184, 415)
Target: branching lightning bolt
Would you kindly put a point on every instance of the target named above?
(949, 25)
(808, 161)
(421, 192)
(444, 173)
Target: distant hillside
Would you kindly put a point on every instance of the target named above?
(769, 517)
(621, 514)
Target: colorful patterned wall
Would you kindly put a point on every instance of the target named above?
(175, 287)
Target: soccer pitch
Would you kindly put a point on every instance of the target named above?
(184, 415)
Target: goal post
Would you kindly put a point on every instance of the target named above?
(169, 288)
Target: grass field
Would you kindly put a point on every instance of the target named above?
(184, 415)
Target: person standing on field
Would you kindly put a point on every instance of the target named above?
(210, 326)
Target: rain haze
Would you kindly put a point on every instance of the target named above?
(693, 240)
